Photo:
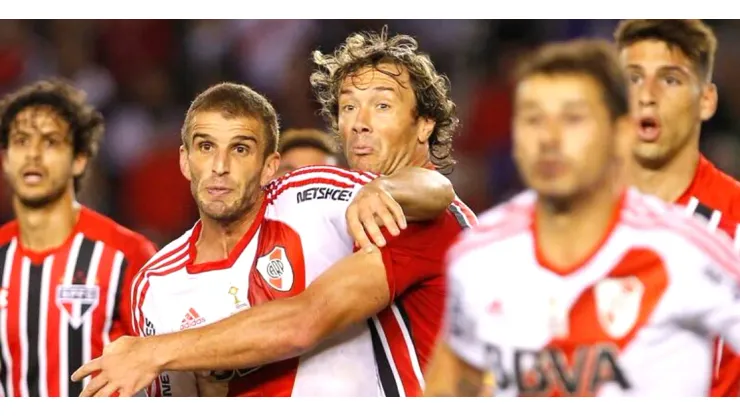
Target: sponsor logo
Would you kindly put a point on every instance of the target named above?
(324, 192)
(191, 319)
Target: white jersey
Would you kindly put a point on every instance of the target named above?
(636, 319)
(300, 231)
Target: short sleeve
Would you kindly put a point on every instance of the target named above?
(460, 331)
(418, 252)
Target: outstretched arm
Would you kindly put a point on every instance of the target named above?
(351, 291)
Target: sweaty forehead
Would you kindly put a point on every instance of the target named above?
(654, 54)
(42, 119)
(387, 75)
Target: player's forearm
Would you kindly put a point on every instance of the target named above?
(422, 193)
(449, 376)
(267, 333)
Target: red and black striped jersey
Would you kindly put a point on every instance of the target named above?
(59, 308)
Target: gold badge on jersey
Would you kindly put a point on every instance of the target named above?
(233, 291)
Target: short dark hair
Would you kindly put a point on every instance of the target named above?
(317, 139)
(594, 58)
(235, 100)
(85, 122)
(692, 37)
(431, 89)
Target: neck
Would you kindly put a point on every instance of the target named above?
(585, 220)
(217, 239)
(669, 181)
(49, 226)
(419, 157)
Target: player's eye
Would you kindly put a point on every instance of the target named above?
(634, 78)
(672, 80)
(205, 146)
(531, 119)
(384, 106)
(347, 108)
(241, 149)
(573, 118)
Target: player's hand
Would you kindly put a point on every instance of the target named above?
(372, 208)
(209, 386)
(126, 366)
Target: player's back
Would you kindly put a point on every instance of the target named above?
(643, 305)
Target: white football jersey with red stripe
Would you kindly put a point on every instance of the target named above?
(637, 318)
(300, 231)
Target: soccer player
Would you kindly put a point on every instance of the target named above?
(669, 64)
(365, 326)
(65, 271)
(305, 147)
(612, 290)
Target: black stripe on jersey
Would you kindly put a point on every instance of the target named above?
(385, 373)
(704, 210)
(3, 359)
(406, 320)
(119, 291)
(74, 336)
(32, 328)
(459, 216)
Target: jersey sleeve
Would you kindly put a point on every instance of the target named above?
(317, 193)
(418, 252)
(141, 252)
(713, 297)
(461, 322)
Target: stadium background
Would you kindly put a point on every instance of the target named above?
(142, 74)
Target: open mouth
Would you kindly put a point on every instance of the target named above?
(32, 176)
(648, 129)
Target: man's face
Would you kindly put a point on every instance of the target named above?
(563, 134)
(225, 164)
(39, 163)
(668, 97)
(377, 121)
(300, 156)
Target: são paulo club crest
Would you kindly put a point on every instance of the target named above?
(77, 300)
(275, 268)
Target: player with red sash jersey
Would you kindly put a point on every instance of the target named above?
(387, 302)
(669, 65)
(613, 289)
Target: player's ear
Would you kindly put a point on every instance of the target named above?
(184, 164)
(708, 103)
(425, 129)
(270, 168)
(79, 163)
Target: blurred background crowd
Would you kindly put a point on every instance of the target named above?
(142, 75)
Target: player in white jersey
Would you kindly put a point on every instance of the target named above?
(578, 287)
(293, 230)
(373, 316)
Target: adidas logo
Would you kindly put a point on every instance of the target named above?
(191, 319)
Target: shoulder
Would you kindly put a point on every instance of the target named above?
(719, 190)
(496, 225)
(173, 253)
(311, 176)
(98, 227)
(690, 235)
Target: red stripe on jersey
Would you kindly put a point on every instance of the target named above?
(710, 243)
(14, 317)
(274, 194)
(54, 325)
(105, 270)
(355, 176)
(514, 225)
(137, 298)
(401, 352)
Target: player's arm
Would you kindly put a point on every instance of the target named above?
(410, 194)
(461, 357)
(349, 292)
(714, 300)
(122, 323)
